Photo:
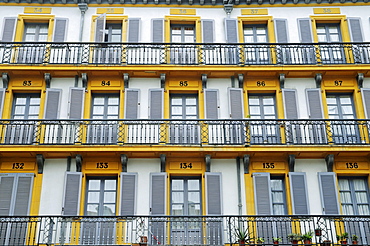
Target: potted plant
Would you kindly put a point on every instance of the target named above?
(318, 232)
(260, 240)
(326, 243)
(242, 235)
(294, 238)
(307, 237)
(354, 239)
(343, 238)
(277, 240)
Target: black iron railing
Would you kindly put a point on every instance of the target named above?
(242, 132)
(180, 230)
(240, 54)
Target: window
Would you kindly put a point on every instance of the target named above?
(184, 54)
(26, 106)
(341, 107)
(36, 32)
(354, 196)
(330, 33)
(256, 34)
(184, 106)
(113, 32)
(263, 107)
(278, 195)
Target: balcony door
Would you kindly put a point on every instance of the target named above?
(185, 53)
(184, 107)
(104, 106)
(25, 106)
(263, 107)
(341, 107)
(33, 53)
(256, 34)
(186, 201)
(101, 193)
(330, 33)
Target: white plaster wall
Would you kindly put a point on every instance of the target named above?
(143, 167)
(52, 189)
(64, 84)
(366, 83)
(221, 85)
(311, 167)
(301, 84)
(229, 185)
(144, 84)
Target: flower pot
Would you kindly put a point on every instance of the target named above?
(326, 243)
(344, 242)
(354, 242)
(307, 241)
(317, 232)
(276, 242)
(242, 242)
(143, 239)
(294, 241)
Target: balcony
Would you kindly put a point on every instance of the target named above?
(244, 132)
(122, 54)
(178, 230)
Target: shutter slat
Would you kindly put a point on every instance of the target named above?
(290, 104)
(156, 103)
(213, 193)
(236, 103)
(60, 29)
(6, 191)
(100, 28)
(9, 29)
(207, 31)
(76, 102)
(298, 187)
(281, 30)
(158, 30)
(314, 103)
(366, 101)
(128, 193)
(262, 193)
(211, 103)
(158, 193)
(356, 30)
(23, 195)
(231, 26)
(305, 30)
(72, 191)
(133, 30)
(52, 103)
(329, 193)
(132, 103)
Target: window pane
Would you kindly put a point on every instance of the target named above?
(177, 184)
(110, 184)
(193, 197)
(109, 197)
(19, 109)
(193, 184)
(177, 197)
(177, 209)
(98, 110)
(92, 209)
(93, 197)
(109, 209)
(94, 184)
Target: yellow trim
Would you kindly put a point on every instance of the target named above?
(183, 11)
(326, 10)
(110, 11)
(182, 20)
(41, 10)
(341, 19)
(110, 19)
(22, 19)
(268, 20)
(254, 11)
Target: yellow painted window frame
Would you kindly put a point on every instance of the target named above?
(22, 19)
(168, 20)
(341, 19)
(112, 19)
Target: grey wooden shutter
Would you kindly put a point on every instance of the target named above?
(2, 98)
(262, 193)
(366, 101)
(157, 30)
(72, 190)
(60, 29)
(355, 29)
(132, 103)
(314, 101)
(236, 104)
(231, 30)
(329, 193)
(211, 103)
(133, 30)
(213, 193)
(128, 193)
(100, 28)
(23, 194)
(6, 192)
(156, 103)
(305, 30)
(290, 103)
(53, 97)
(158, 193)
(298, 190)
(208, 31)
(9, 29)
(281, 30)
(76, 102)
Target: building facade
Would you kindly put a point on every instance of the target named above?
(180, 122)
